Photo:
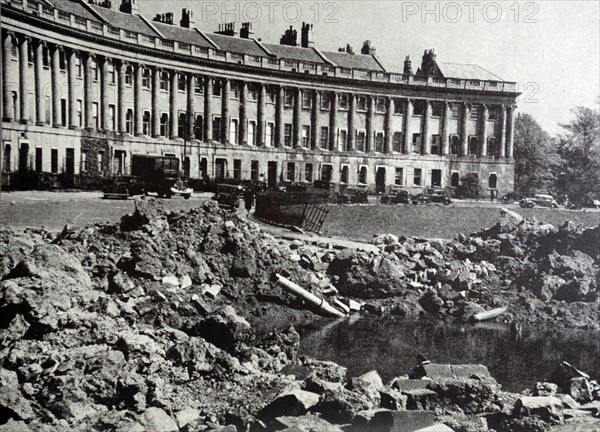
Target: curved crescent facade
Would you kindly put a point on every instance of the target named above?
(86, 87)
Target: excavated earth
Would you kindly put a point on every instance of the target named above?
(175, 321)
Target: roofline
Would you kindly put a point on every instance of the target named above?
(91, 10)
(473, 64)
(152, 26)
(325, 59)
(209, 40)
(263, 47)
(378, 62)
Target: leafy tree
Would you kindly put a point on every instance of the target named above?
(535, 156)
(471, 187)
(579, 149)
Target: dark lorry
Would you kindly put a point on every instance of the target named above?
(149, 173)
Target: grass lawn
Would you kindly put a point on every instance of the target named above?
(362, 222)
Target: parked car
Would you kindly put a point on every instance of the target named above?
(420, 198)
(228, 196)
(438, 195)
(123, 187)
(510, 198)
(539, 200)
(395, 195)
(585, 202)
(353, 196)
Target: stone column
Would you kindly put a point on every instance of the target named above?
(104, 93)
(55, 64)
(88, 91)
(408, 112)
(333, 121)
(261, 124)
(71, 76)
(426, 139)
(445, 137)
(387, 143)
(225, 111)
(369, 124)
(24, 101)
(279, 128)
(191, 85)
(122, 112)
(174, 121)
(138, 113)
(297, 124)
(502, 137)
(156, 71)
(484, 119)
(208, 89)
(7, 86)
(510, 131)
(464, 138)
(243, 116)
(38, 65)
(314, 120)
(351, 115)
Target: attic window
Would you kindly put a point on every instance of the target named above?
(475, 83)
(455, 81)
(219, 53)
(493, 84)
(273, 61)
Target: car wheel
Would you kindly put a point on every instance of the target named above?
(554, 206)
(187, 196)
(530, 205)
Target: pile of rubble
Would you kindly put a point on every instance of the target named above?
(162, 322)
(540, 273)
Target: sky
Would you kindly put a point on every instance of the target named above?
(551, 48)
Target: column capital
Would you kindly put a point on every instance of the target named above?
(57, 47)
(24, 38)
(9, 34)
(40, 43)
(71, 51)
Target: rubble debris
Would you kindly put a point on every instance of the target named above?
(321, 304)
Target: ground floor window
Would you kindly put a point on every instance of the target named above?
(237, 169)
(454, 179)
(38, 159)
(6, 163)
(100, 163)
(326, 172)
(417, 174)
(24, 157)
(345, 174)
(203, 168)
(436, 178)
(399, 177)
(54, 161)
(493, 181)
(291, 171)
(362, 175)
(254, 170)
(83, 163)
(308, 172)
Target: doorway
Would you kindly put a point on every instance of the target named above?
(380, 180)
(220, 169)
(272, 174)
(69, 167)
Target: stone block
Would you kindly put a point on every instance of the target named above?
(401, 421)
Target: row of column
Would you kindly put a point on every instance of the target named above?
(335, 118)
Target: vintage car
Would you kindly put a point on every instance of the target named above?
(432, 195)
(510, 198)
(395, 195)
(123, 187)
(228, 196)
(353, 195)
(539, 200)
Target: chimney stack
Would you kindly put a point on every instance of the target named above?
(227, 29)
(187, 18)
(347, 49)
(129, 7)
(307, 39)
(367, 48)
(246, 32)
(428, 63)
(290, 37)
(408, 66)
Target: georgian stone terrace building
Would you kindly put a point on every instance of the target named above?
(85, 87)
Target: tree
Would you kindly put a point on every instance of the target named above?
(535, 156)
(470, 187)
(579, 150)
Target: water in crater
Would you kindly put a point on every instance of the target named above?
(516, 359)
